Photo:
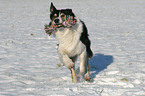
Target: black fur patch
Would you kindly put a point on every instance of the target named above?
(85, 40)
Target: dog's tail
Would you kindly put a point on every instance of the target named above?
(85, 40)
(89, 52)
(88, 48)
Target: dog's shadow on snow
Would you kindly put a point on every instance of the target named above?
(98, 63)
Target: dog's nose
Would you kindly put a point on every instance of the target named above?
(56, 20)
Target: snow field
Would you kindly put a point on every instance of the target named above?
(29, 64)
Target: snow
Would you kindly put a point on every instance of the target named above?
(29, 64)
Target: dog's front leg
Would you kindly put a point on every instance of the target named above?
(74, 77)
(70, 65)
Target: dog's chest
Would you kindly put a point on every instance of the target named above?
(69, 40)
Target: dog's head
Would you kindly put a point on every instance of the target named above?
(59, 17)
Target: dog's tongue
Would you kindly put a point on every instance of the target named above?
(58, 25)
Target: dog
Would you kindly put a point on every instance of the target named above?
(73, 41)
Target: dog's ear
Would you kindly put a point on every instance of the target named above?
(52, 8)
(69, 11)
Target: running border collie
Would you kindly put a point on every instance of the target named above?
(73, 42)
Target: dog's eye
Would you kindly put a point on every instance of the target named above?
(55, 15)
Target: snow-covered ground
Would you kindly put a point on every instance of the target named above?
(29, 64)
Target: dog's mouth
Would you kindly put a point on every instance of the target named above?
(59, 25)
(66, 23)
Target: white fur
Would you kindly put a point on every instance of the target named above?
(70, 45)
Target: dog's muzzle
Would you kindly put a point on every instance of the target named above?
(56, 21)
(69, 22)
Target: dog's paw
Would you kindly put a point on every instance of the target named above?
(87, 78)
(70, 66)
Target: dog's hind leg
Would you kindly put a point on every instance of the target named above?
(87, 76)
(84, 66)
(82, 63)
